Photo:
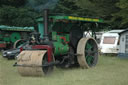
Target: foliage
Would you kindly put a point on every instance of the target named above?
(67, 7)
(122, 16)
(15, 3)
(24, 12)
(99, 8)
(90, 8)
(10, 15)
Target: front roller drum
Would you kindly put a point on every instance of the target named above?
(31, 63)
(87, 49)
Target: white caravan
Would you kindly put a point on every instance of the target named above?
(110, 42)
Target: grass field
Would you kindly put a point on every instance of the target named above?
(109, 71)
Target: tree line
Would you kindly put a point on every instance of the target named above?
(25, 12)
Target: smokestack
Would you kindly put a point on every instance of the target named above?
(46, 24)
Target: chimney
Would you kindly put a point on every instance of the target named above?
(45, 19)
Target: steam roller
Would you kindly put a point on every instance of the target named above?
(32, 63)
(59, 43)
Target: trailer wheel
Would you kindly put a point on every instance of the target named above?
(87, 50)
(18, 42)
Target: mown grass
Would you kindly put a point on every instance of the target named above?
(109, 71)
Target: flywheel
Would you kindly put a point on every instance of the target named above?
(15, 36)
(32, 63)
(18, 43)
(87, 50)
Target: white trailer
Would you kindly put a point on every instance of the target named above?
(110, 42)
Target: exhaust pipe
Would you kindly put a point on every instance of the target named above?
(45, 24)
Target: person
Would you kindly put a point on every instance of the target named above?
(32, 40)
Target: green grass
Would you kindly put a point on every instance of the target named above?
(109, 71)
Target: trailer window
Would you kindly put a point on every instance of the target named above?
(109, 40)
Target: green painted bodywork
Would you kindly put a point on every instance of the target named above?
(1, 42)
(15, 36)
(60, 49)
(41, 29)
(85, 19)
(59, 28)
(13, 28)
(6, 39)
(89, 58)
(12, 37)
(55, 24)
(10, 34)
(61, 46)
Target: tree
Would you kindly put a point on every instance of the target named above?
(24, 12)
(15, 3)
(100, 8)
(13, 16)
(67, 7)
(121, 17)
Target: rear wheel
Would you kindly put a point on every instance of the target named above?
(88, 52)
